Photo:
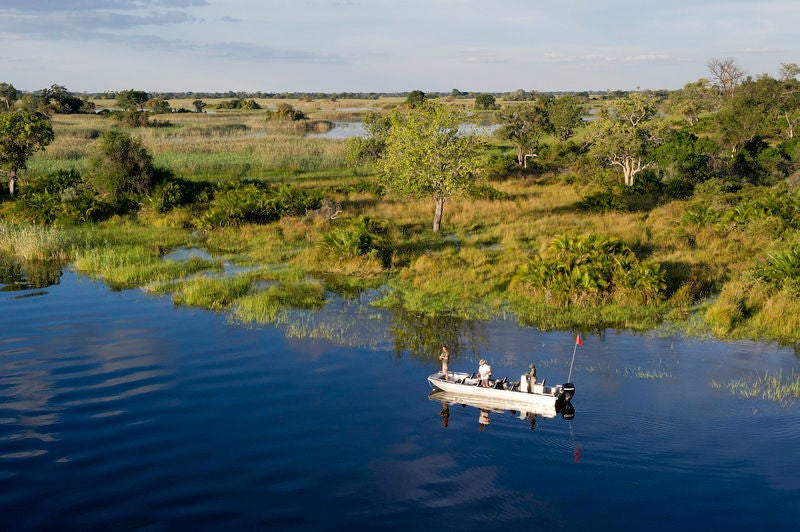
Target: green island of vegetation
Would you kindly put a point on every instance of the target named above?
(671, 210)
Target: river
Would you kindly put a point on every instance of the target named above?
(121, 411)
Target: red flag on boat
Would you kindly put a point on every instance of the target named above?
(578, 340)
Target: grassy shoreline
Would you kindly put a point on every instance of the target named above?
(716, 257)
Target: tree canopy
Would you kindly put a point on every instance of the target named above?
(21, 134)
(426, 155)
(524, 125)
(132, 99)
(120, 164)
(625, 133)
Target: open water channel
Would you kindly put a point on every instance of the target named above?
(120, 411)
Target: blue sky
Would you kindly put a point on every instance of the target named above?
(388, 45)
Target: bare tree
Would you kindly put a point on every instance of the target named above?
(725, 74)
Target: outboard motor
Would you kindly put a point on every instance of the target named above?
(567, 391)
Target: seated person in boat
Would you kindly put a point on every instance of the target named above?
(532, 376)
(484, 372)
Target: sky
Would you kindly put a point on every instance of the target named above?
(388, 45)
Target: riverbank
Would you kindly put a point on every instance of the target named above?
(286, 220)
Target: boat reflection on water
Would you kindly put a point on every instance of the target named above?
(486, 406)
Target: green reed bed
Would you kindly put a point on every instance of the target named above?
(263, 307)
(769, 386)
(34, 242)
(214, 293)
(129, 266)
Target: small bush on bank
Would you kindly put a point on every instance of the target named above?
(589, 270)
(254, 203)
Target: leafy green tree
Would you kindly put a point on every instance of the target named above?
(565, 115)
(427, 156)
(33, 103)
(57, 99)
(415, 98)
(485, 102)
(524, 125)
(744, 114)
(693, 99)
(625, 134)
(788, 105)
(369, 148)
(199, 105)
(8, 95)
(120, 165)
(158, 105)
(132, 99)
(21, 134)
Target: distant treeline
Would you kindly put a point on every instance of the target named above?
(517, 95)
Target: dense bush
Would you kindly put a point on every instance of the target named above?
(485, 102)
(120, 165)
(285, 112)
(485, 192)
(63, 197)
(254, 203)
(241, 103)
(589, 270)
(362, 236)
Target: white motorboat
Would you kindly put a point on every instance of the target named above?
(508, 395)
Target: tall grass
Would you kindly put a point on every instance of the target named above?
(127, 266)
(214, 293)
(262, 307)
(34, 242)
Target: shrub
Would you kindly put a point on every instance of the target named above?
(285, 112)
(485, 102)
(120, 164)
(360, 237)
(252, 203)
(485, 192)
(589, 270)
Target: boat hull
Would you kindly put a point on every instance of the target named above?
(464, 385)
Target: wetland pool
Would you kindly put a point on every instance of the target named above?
(119, 410)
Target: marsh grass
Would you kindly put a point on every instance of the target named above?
(708, 245)
(213, 293)
(769, 386)
(128, 266)
(34, 242)
(262, 307)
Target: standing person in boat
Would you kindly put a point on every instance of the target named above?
(444, 357)
(532, 376)
(484, 372)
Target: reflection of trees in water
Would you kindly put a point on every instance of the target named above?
(423, 336)
(23, 275)
(353, 323)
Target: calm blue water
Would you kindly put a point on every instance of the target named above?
(119, 411)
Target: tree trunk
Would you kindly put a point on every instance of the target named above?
(12, 182)
(520, 156)
(437, 217)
